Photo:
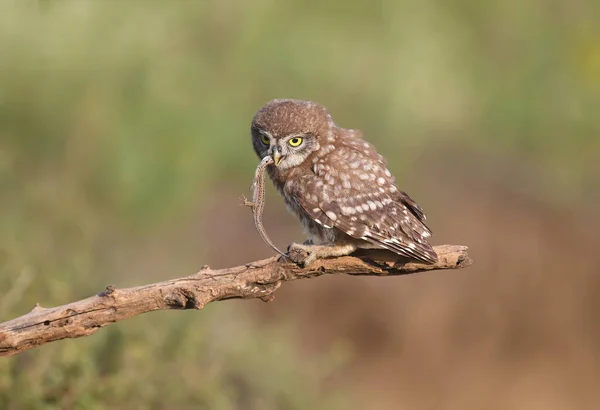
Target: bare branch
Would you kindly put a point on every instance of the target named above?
(254, 280)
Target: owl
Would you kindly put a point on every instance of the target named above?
(336, 184)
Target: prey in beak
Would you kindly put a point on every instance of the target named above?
(276, 155)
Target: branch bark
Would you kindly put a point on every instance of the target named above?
(254, 280)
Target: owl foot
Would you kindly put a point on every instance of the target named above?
(304, 255)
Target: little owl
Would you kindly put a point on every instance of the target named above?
(337, 184)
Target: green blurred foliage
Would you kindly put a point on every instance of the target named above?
(115, 116)
(212, 362)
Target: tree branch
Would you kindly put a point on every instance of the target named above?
(254, 280)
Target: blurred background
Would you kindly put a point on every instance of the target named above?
(124, 147)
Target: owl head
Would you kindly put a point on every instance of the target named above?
(290, 130)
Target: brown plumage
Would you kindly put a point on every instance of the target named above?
(337, 184)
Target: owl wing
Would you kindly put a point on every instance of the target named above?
(352, 190)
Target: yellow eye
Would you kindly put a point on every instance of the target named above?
(296, 141)
(264, 139)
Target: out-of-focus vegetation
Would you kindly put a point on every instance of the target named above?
(122, 119)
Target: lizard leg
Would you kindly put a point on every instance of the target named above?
(246, 202)
(296, 252)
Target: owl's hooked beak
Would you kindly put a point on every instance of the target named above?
(277, 157)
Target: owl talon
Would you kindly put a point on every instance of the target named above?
(298, 254)
(310, 258)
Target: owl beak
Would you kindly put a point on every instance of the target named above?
(277, 157)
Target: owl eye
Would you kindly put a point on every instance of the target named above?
(296, 141)
(264, 139)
